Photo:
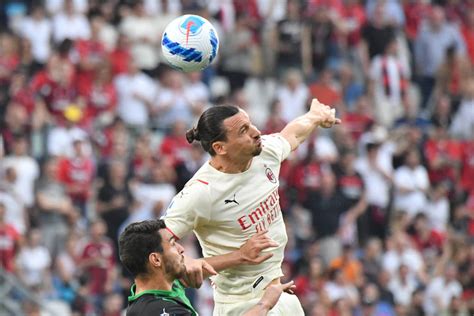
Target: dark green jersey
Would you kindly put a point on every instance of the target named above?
(160, 303)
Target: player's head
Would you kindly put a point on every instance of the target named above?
(144, 250)
(226, 130)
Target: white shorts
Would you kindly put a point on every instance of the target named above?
(288, 304)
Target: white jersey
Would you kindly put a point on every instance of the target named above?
(225, 210)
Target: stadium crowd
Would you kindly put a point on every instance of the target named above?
(379, 210)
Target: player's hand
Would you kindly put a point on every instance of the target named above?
(325, 116)
(196, 271)
(250, 252)
(273, 292)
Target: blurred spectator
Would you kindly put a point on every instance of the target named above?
(288, 39)
(402, 286)
(172, 103)
(349, 265)
(463, 121)
(371, 260)
(141, 30)
(10, 241)
(135, 91)
(76, 173)
(236, 53)
(399, 252)
(100, 98)
(37, 29)
(55, 209)
(468, 34)
(91, 53)
(391, 11)
(352, 187)
(293, 95)
(15, 213)
(69, 23)
(452, 75)
(34, 273)
(66, 270)
(443, 155)
(441, 290)
(26, 169)
(327, 205)
(427, 240)
(389, 81)
(338, 288)
(429, 57)
(437, 208)
(325, 90)
(98, 262)
(114, 198)
(411, 185)
(377, 177)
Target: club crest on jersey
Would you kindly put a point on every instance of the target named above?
(270, 176)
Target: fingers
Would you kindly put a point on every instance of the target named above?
(208, 269)
(289, 287)
(262, 258)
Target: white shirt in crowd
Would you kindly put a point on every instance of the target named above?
(144, 53)
(27, 172)
(33, 271)
(293, 102)
(72, 27)
(224, 210)
(15, 212)
(394, 71)
(392, 260)
(437, 212)
(60, 140)
(377, 186)
(463, 121)
(438, 295)
(54, 6)
(39, 33)
(413, 179)
(130, 108)
(402, 291)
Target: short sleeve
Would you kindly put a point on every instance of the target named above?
(188, 209)
(276, 146)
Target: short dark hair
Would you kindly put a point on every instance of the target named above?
(210, 127)
(137, 242)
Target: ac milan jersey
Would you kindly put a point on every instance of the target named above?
(225, 210)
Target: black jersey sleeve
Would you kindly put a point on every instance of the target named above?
(157, 307)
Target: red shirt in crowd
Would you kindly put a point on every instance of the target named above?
(357, 123)
(467, 171)
(119, 60)
(89, 51)
(468, 34)
(77, 174)
(56, 95)
(175, 147)
(9, 238)
(445, 148)
(354, 13)
(415, 12)
(99, 99)
(7, 65)
(103, 253)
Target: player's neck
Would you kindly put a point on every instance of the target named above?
(224, 165)
(156, 282)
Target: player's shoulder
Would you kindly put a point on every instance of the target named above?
(151, 305)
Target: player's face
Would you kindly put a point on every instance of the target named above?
(173, 259)
(243, 138)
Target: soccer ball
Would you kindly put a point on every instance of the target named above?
(190, 43)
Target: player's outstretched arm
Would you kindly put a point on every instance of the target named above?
(270, 298)
(249, 253)
(298, 130)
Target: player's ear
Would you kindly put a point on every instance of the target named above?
(154, 259)
(219, 148)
